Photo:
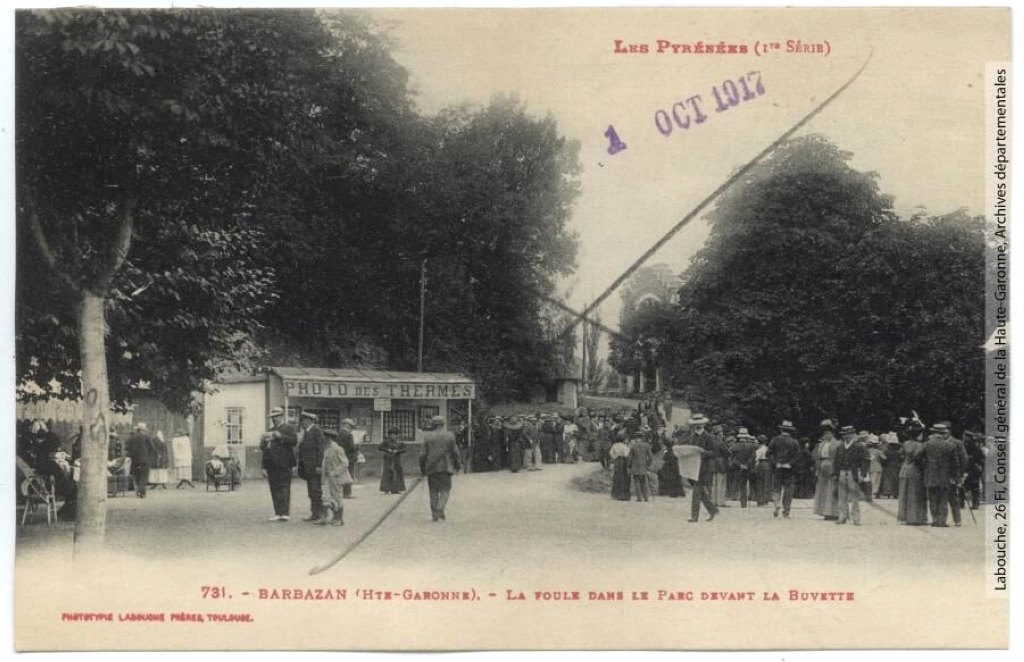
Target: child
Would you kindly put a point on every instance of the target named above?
(334, 472)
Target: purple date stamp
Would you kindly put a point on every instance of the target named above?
(694, 110)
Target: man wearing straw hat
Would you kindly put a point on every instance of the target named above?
(783, 451)
(850, 468)
(942, 472)
(743, 452)
(277, 446)
(698, 447)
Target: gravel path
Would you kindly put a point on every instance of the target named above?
(516, 534)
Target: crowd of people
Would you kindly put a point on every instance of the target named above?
(143, 460)
(328, 460)
(927, 471)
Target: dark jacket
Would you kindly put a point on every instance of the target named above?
(941, 463)
(311, 450)
(855, 459)
(640, 458)
(348, 443)
(743, 455)
(141, 448)
(439, 453)
(784, 449)
(708, 443)
(279, 450)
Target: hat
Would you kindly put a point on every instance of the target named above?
(827, 423)
(741, 433)
(276, 411)
(698, 419)
(941, 428)
(308, 414)
(847, 429)
(863, 433)
(348, 421)
(437, 419)
(330, 432)
(394, 430)
(514, 424)
(787, 425)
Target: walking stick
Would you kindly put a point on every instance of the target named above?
(961, 498)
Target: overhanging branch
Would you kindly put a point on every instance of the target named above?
(49, 257)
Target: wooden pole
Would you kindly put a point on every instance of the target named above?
(423, 303)
(469, 435)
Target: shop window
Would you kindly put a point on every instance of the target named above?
(327, 418)
(427, 412)
(233, 424)
(404, 420)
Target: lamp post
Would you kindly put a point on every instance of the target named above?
(423, 304)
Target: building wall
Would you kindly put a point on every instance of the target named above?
(250, 398)
(568, 392)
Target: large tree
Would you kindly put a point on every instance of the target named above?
(812, 299)
(146, 141)
(477, 200)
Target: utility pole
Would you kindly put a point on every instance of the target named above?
(423, 304)
(583, 367)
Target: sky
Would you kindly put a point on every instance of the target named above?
(915, 116)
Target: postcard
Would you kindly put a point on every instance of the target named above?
(512, 329)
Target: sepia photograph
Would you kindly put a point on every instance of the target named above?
(467, 329)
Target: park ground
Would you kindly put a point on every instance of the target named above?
(507, 536)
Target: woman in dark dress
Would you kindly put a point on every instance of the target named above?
(514, 444)
(892, 462)
(913, 501)
(496, 443)
(670, 483)
(392, 478)
(620, 471)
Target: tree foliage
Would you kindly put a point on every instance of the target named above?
(284, 195)
(191, 120)
(812, 299)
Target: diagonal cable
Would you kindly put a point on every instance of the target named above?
(710, 198)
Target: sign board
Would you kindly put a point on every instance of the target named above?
(382, 404)
(313, 388)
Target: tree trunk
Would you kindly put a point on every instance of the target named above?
(92, 487)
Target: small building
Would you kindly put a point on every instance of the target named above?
(562, 388)
(235, 409)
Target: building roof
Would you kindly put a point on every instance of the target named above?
(369, 376)
(239, 378)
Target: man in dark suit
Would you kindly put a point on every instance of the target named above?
(784, 453)
(743, 451)
(702, 486)
(142, 451)
(942, 471)
(438, 461)
(278, 448)
(639, 461)
(311, 458)
(956, 488)
(850, 466)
